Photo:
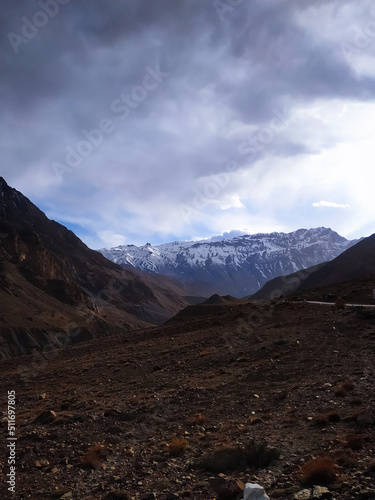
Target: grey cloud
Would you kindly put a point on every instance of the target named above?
(237, 69)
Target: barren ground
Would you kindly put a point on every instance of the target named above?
(238, 372)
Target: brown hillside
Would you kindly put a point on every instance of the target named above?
(55, 290)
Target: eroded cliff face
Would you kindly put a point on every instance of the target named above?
(52, 284)
(45, 270)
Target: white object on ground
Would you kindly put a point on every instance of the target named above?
(254, 491)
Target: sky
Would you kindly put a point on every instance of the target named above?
(134, 121)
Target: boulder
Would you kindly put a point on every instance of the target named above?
(253, 491)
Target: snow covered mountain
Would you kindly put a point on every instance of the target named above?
(237, 266)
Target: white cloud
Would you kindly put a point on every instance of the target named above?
(111, 238)
(331, 204)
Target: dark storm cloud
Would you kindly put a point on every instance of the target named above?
(228, 64)
(258, 36)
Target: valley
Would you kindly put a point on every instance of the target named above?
(187, 250)
(130, 385)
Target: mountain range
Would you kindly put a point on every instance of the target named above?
(238, 266)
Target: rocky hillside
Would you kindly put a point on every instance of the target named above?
(237, 266)
(55, 290)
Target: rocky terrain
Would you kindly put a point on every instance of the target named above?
(237, 266)
(278, 393)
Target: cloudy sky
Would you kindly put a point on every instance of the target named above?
(134, 121)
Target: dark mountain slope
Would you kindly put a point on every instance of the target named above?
(51, 282)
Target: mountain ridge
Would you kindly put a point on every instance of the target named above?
(236, 266)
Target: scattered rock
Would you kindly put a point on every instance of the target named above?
(67, 496)
(320, 492)
(302, 495)
(41, 463)
(254, 491)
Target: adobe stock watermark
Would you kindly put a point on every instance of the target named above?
(12, 441)
(361, 40)
(30, 27)
(251, 148)
(222, 8)
(121, 107)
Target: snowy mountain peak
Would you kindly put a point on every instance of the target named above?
(239, 265)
